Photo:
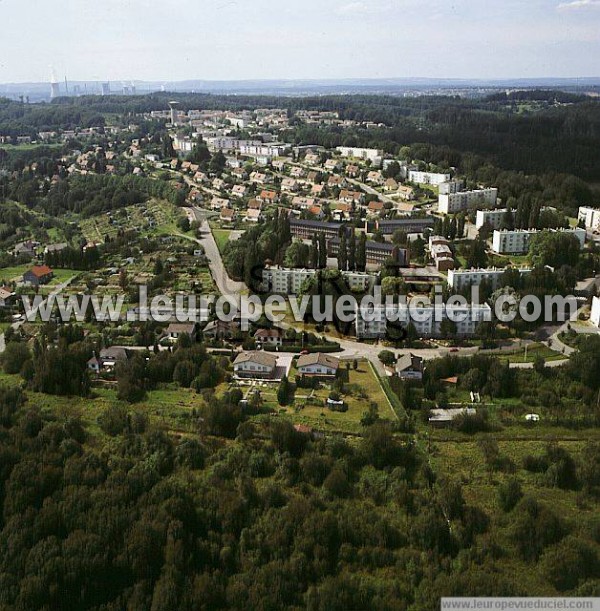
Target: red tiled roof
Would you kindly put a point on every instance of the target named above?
(40, 270)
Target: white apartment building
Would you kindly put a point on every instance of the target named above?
(358, 281)
(227, 143)
(493, 218)
(595, 317)
(453, 186)
(518, 240)
(285, 281)
(273, 149)
(450, 203)
(288, 281)
(374, 155)
(458, 279)
(372, 323)
(590, 217)
(183, 144)
(427, 178)
(512, 242)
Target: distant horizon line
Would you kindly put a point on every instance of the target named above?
(291, 80)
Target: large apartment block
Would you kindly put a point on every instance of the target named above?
(452, 186)
(374, 155)
(518, 240)
(273, 149)
(450, 203)
(493, 218)
(458, 279)
(590, 217)
(427, 178)
(287, 281)
(372, 323)
(595, 316)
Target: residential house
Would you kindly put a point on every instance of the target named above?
(342, 211)
(317, 190)
(318, 364)
(317, 212)
(38, 274)
(7, 296)
(390, 185)
(269, 337)
(176, 329)
(253, 216)
(351, 197)
(239, 190)
(303, 203)
(228, 215)
(25, 248)
(254, 204)
(375, 207)
(352, 171)
(410, 367)
(375, 177)
(267, 197)
(336, 181)
(405, 192)
(52, 248)
(107, 359)
(289, 184)
(221, 329)
(255, 364)
(217, 203)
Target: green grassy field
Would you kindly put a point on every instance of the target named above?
(309, 406)
(221, 238)
(532, 353)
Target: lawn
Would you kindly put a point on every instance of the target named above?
(531, 353)
(221, 238)
(309, 406)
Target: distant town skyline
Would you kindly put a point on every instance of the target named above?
(124, 40)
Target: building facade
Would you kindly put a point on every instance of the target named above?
(590, 218)
(518, 241)
(427, 178)
(372, 323)
(459, 279)
(451, 203)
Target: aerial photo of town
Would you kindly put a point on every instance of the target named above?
(313, 334)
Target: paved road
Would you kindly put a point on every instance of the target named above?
(226, 285)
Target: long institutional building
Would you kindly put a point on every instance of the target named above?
(287, 281)
(450, 203)
(407, 225)
(376, 252)
(519, 240)
(372, 322)
(458, 279)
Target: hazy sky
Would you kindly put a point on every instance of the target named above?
(257, 39)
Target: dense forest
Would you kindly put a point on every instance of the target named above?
(271, 520)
